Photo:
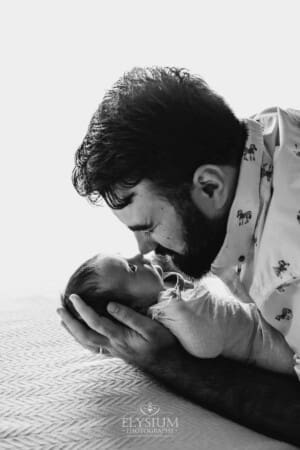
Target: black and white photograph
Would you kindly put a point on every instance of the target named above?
(150, 225)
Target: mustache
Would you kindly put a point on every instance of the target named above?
(171, 261)
(164, 258)
(162, 252)
(192, 266)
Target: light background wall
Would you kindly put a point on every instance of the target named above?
(57, 60)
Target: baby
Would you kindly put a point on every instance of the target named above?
(205, 317)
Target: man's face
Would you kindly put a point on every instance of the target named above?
(181, 230)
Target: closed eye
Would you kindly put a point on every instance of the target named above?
(150, 230)
(133, 267)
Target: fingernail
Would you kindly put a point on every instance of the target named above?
(113, 307)
(73, 297)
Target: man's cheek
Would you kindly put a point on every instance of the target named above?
(173, 242)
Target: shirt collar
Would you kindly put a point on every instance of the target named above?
(245, 206)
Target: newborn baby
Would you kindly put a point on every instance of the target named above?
(204, 316)
(134, 282)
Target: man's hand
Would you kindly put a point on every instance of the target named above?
(264, 401)
(135, 338)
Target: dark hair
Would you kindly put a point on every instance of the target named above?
(159, 124)
(86, 282)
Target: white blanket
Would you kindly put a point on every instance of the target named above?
(56, 395)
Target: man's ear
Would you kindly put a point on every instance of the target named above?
(210, 189)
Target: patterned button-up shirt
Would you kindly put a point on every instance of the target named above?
(260, 257)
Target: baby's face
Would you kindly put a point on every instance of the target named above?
(136, 276)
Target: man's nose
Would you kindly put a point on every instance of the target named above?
(145, 243)
(137, 259)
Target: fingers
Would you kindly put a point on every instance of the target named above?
(80, 332)
(99, 324)
(143, 325)
(88, 347)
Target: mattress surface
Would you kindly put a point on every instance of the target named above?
(57, 395)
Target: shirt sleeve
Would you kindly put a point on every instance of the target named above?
(282, 311)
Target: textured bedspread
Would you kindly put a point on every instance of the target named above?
(56, 395)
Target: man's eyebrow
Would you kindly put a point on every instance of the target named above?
(142, 227)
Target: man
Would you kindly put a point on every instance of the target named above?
(193, 182)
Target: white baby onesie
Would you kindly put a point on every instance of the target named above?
(209, 321)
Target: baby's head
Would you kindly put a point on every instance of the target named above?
(134, 282)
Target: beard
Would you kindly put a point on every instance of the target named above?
(203, 239)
